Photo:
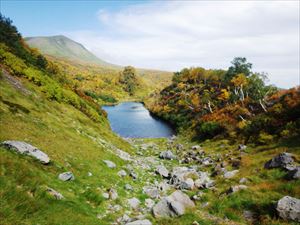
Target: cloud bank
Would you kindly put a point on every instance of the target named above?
(175, 34)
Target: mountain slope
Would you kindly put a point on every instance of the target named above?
(63, 47)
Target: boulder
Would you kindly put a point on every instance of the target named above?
(288, 208)
(140, 222)
(128, 187)
(109, 164)
(167, 155)
(173, 205)
(66, 176)
(152, 192)
(27, 149)
(230, 174)
(283, 160)
(180, 174)
(187, 184)
(204, 181)
(122, 173)
(196, 147)
(294, 174)
(55, 194)
(113, 194)
(162, 171)
(133, 203)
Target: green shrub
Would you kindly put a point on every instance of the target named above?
(208, 130)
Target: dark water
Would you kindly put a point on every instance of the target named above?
(132, 119)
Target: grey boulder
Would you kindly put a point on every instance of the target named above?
(27, 149)
(294, 174)
(167, 155)
(283, 160)
(173, 205)
(162, 171)
(288, 208)
(67, 176)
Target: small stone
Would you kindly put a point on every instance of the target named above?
(89, 174)
(230, 174)
(105, 195)
(243, 180)
(196, 147)
(187, 184)
(162, 171)
(242, 147)
(195, 223)
(122, 173)
(128, 187)
(55, 194)
(133, 175)
(113, 194)
(133, 203)
(67, 176)
(109, 164)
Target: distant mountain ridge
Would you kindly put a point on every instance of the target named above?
(63, 47)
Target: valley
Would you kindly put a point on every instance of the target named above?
(78, 147)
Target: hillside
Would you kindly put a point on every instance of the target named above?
(93, 75)
(62, 47)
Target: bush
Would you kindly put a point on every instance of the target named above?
(208, 130)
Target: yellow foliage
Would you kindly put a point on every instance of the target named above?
(239, 80)
(224, 95)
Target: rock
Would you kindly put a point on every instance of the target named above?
(133, 203)
(173, 205)
(243, 180)
(294, 174)
(149, 203)
(187, 184)
(242, 147)
(163, 186)
(55, 194)
(105, 195)
(128, 187)
(195, 223)
(152, 192)
(249, 216)
(113, 194)
(180, 174)
(109, 164)
(122, 173)
(236, 188)
(140, 222)
(167, 155)
(89, 174)
(283, 160)
(67, 176)
(27, 149)
(133, 175)
(204, 181)
(161, 170)
(196, 147)
(230, 174)
(288, 208)
(123, 155)
(124, 219)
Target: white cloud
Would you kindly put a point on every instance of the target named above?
(175, 34)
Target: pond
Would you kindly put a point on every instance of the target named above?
(133, 120)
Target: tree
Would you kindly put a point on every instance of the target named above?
(239, 81)
(239, 65)
(129, 79)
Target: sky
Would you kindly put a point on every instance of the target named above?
(171, 35)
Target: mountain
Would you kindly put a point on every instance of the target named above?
(63, 47)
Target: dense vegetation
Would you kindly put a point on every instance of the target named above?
(232, 103)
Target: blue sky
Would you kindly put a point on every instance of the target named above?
(171, 35)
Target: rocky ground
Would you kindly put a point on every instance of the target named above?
(170, 179)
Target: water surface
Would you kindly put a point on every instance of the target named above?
(132, 119)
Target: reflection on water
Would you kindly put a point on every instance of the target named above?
(132, 119)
